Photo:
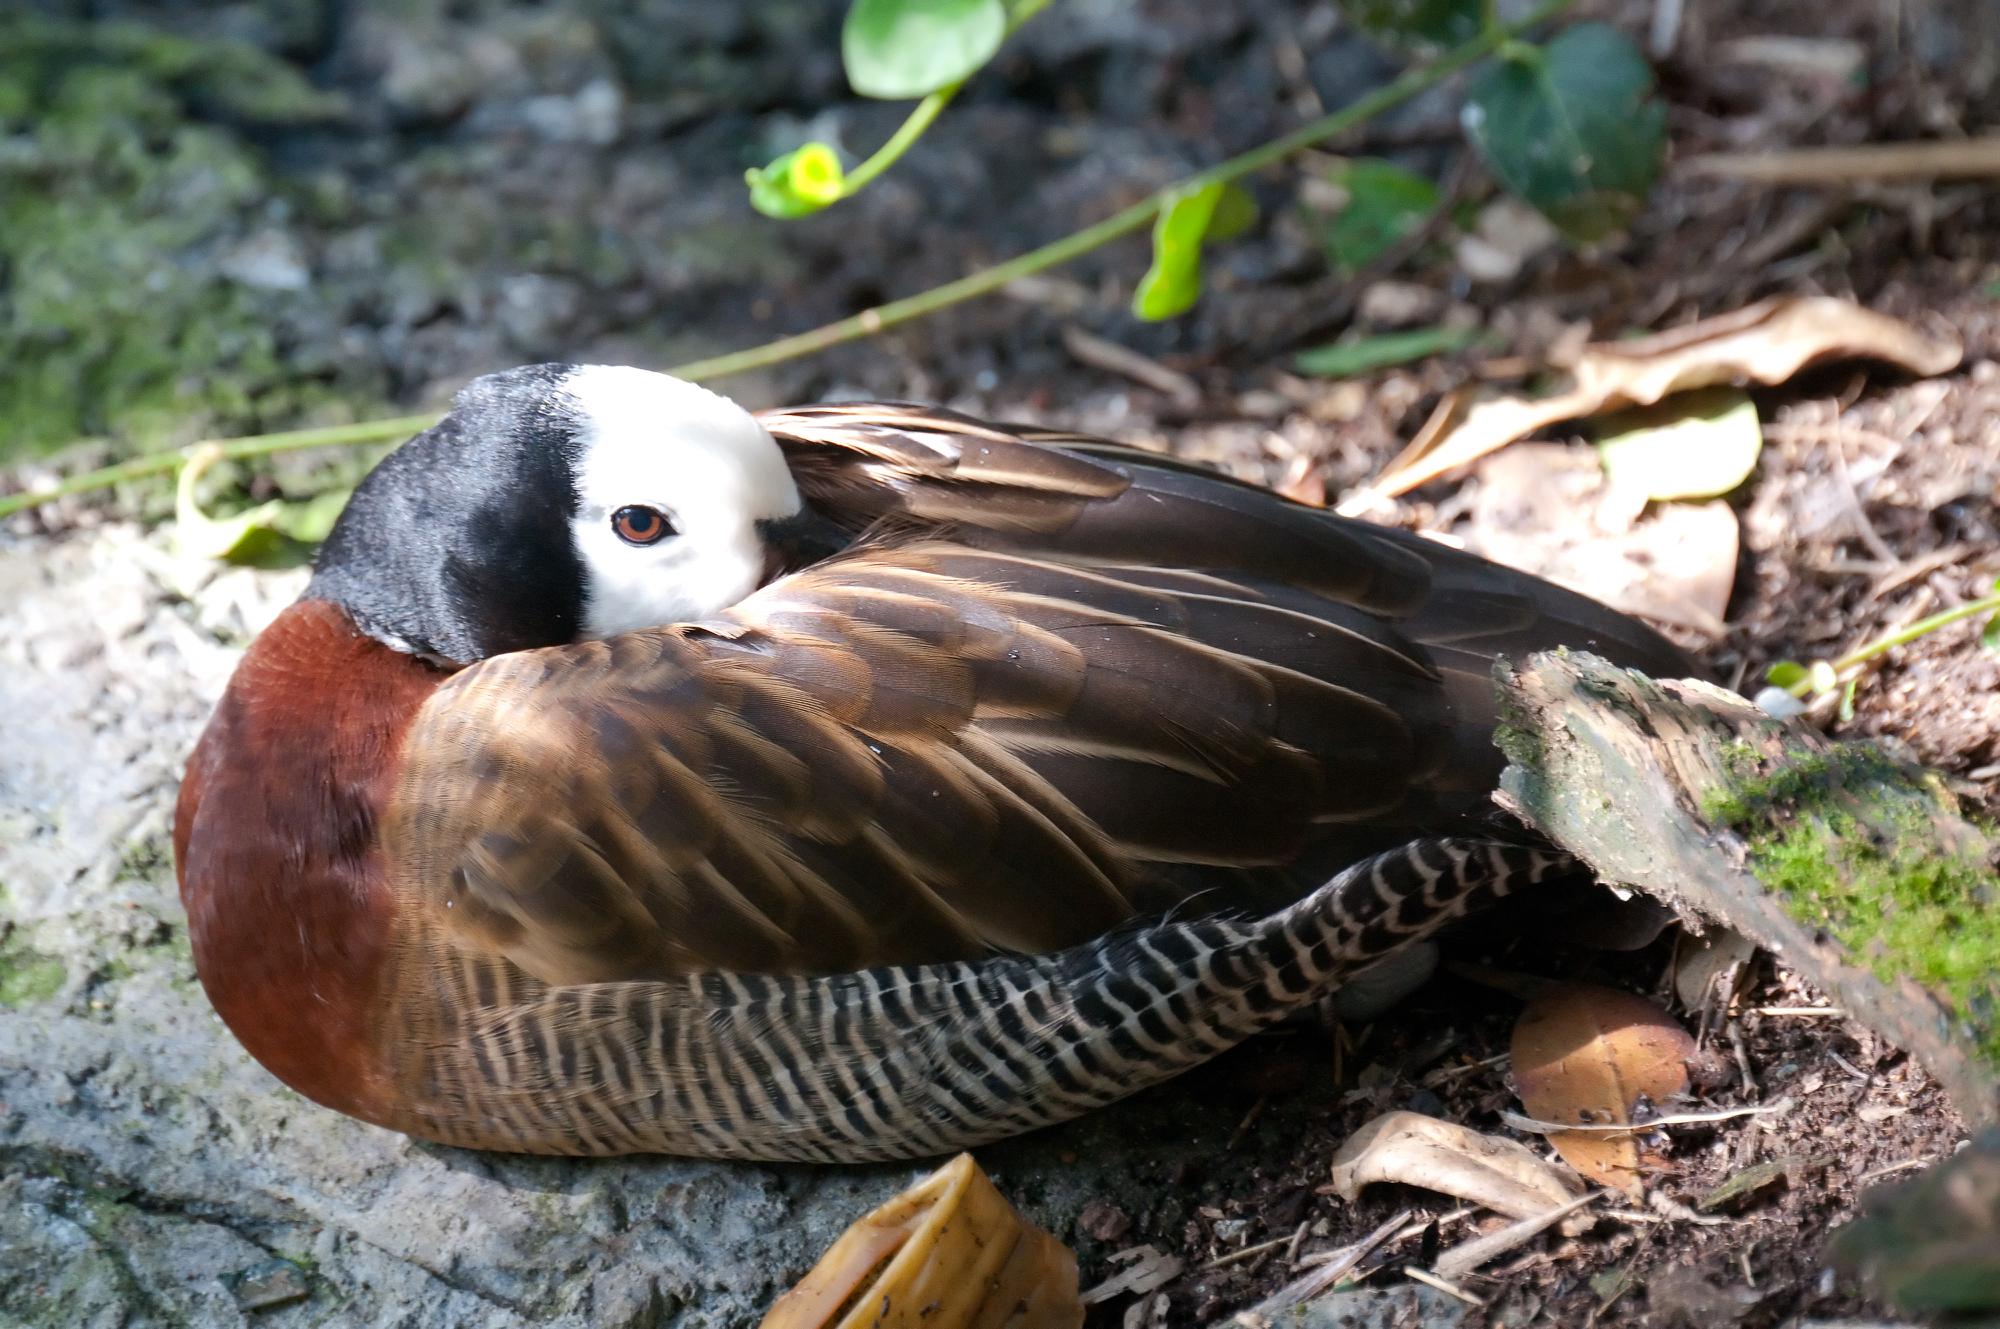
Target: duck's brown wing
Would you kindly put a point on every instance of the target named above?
(1051, 690)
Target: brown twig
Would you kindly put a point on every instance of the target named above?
(1952, 159)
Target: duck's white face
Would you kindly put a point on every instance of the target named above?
(671, 483)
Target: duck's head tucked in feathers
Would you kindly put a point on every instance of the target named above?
(562, 502)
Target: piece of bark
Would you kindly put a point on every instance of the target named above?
(1853, 865)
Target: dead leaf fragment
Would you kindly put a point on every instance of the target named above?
(948, 1253)
(1590, 1055)
(1544, 508)
(1147, 1269)
(1750, 1179)
(1766, 343)
(1408, 1147)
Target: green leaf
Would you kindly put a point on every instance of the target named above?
(1235, 212)
(1572, 127)
(1173, 283)
(1692, 445)
(1989, 636)
(1821, 678)
(1786, 674)
(271, 534)
(241, 538)
(799, 183)
(1385, 204)
(1417, 22)
(1344, 359)
(311, 521)
(901, 49)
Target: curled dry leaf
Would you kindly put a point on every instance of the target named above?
(1767, 343)
(1408, 1147)
(948, 1253)
(1589, 1054)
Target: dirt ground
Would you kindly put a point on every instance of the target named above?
(1873, 505)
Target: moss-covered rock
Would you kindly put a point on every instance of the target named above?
(127, 185)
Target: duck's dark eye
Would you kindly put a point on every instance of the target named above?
(639, 525)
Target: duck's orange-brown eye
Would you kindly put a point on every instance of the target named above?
(638, 525)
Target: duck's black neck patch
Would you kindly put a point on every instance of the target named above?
(458, 544)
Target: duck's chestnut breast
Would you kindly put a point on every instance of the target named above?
(289, 916)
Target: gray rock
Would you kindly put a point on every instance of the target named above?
(150, 1172)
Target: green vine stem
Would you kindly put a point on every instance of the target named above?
(253, 445)
(924, 115)
(907, 133)
(1902, 636)
(871, 321)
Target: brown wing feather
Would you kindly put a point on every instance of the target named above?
(1097, 686)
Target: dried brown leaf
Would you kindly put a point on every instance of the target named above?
(1589, 1054)
(1766, 343)
(1408, 1147)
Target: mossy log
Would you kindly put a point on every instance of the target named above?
(1854, 865)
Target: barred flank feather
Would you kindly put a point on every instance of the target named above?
(908, 1061)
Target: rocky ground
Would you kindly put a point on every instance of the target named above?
(359, 205)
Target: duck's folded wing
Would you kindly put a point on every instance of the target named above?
(1049, 688)
(919, 752)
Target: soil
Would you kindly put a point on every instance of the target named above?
(415, 286)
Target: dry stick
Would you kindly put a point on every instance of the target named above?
(1968, 158)
(871, 321)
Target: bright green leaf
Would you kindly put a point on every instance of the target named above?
(1786, 674)
(797, 184)
(1344, 359)
(1385, 204)
(311, 521)
(1572, 127)
(1173, 283)
(901, 49)
(1235, 212)
(1692, 445)
(239, 538)
(1845, 711)
(1989, 636)
(1417, 22)
(269, 534)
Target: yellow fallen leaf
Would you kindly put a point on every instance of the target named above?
(948, 1253)
(1588, 1054)
(1767, 343)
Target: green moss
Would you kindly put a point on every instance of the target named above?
(1848, 840)
(28, 978)
(117, 191)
